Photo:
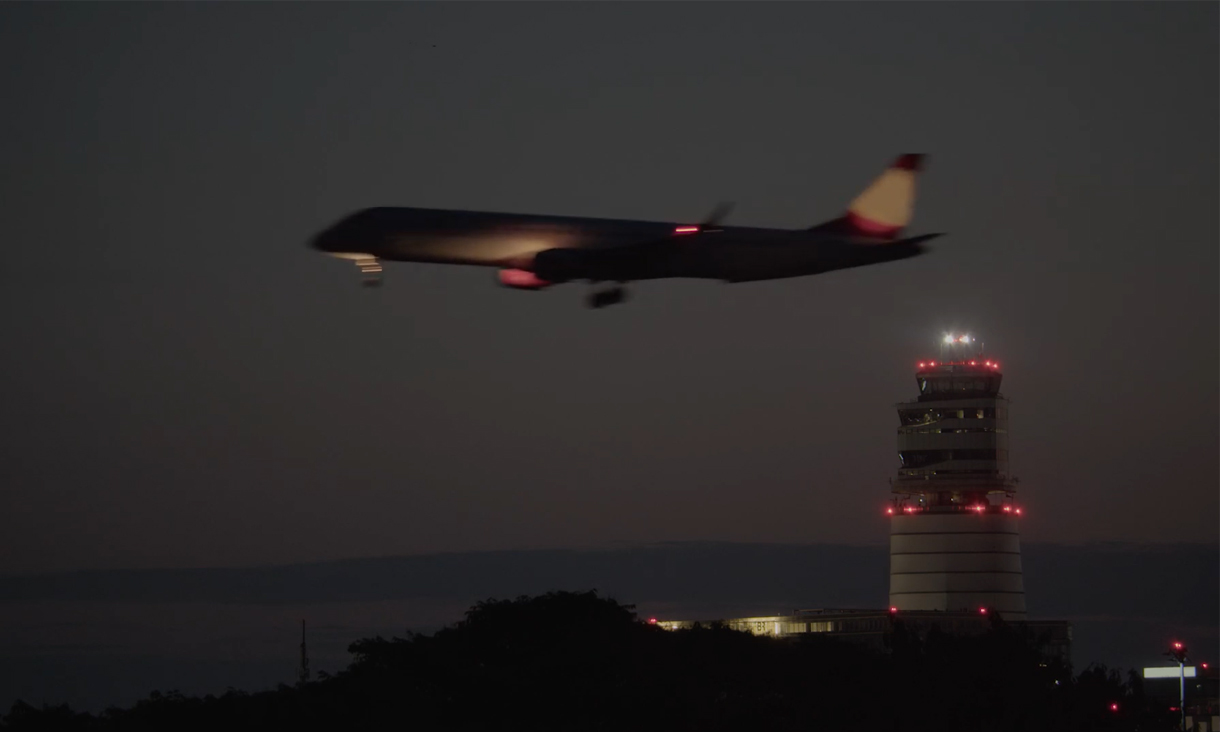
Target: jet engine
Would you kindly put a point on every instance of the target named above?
(521, 279)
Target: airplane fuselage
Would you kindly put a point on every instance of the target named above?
(563, 248)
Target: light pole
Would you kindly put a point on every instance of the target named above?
(1179, 654)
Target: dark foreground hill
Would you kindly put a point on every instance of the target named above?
(577, 661)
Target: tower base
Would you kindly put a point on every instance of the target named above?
(959, 561)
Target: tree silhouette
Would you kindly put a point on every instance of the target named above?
(578, 661)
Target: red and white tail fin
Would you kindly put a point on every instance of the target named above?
(885, 207)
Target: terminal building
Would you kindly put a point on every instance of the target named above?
(955, 549)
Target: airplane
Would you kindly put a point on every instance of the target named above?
(536, 252)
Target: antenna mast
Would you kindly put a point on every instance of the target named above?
(303, 674)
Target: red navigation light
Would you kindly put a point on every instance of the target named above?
(1008, 509)
(1177, 646)
(1203, 666)
(893, 610)
(1113, 707)
(652, 621)
(974, 363)
(686, 229)
(931, 363)
(995, 365)
(920, 365)
(1018, 511)
(982, 611)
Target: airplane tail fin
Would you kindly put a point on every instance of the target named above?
(884, 208)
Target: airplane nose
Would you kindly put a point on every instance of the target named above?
(325, 241)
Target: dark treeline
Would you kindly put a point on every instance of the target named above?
(576, 661)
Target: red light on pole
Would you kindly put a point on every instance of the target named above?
(1177, 645)
(889, 511)
(652, 621)
(1113, 707)
(982, 611)
(893, 611)
(1018, 511)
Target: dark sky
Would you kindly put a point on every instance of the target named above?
(186, 384)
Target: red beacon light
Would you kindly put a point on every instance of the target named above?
(889, 511)
(1017, 511)
(982, 611)
(893, 611)
(1008, 509)
(1113, 707)
(652, 621)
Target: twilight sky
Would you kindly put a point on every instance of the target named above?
(188, 385)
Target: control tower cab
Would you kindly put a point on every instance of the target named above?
(954, 543)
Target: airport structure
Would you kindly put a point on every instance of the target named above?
(954, 543)
(955, 551)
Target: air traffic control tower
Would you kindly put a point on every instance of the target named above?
(955, 554)
(954, 543)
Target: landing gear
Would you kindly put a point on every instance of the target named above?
(605, 298)
(371, 269)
